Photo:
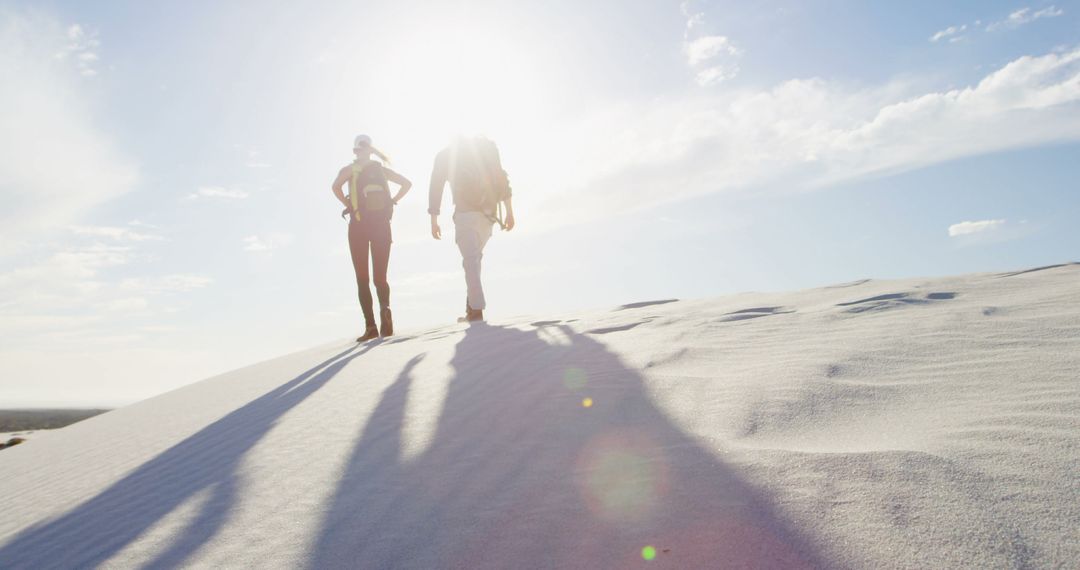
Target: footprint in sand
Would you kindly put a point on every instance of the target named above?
(848, 284)
(544, 323)
(646, 304)
(620, 328)
(893, 300)
(754, 313)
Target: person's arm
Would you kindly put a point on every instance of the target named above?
(435, 192)
(339, 182)
(400, 181)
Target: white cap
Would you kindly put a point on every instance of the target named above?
(361, 140)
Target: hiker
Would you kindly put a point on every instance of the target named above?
(370, 208)
(480, 190)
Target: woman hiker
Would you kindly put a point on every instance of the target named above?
(370, 207)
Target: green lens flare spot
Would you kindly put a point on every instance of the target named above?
(648, 553)
(574, 379)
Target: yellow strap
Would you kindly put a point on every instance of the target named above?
(354, 190)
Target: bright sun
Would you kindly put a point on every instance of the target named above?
(456, 78)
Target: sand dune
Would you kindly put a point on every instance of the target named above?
(875, 424)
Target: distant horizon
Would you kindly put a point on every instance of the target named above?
(656, 150)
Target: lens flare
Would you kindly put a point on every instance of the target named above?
(624, 477)
(574, 379)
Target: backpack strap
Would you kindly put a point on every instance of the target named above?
(498, 217)
(354, 189)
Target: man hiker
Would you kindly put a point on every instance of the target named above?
(480, 190)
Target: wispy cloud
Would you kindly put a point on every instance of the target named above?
(1024, 16)
(176, 283)
(218, 192)
(716, 74)
(114, 233)
(66, 281)
(267, 243)
(705, 48)
(73, 293)
(254, 160)
(713, 57)
(74, 287)
(969, 228)
(47, 112)
(127, 305)
(82, 49)
(811, 133)
(952, 33)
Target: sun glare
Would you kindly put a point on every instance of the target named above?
(454, 78)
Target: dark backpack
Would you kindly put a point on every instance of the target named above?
(478, 178)
(370, 192)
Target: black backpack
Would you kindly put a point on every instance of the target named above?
(478, 178)
(370, 192)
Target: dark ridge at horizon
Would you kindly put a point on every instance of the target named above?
(26, 419)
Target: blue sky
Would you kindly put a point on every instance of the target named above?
(165, 169)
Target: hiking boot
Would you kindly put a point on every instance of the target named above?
(371, 332)
(474, 314)
(387, 322)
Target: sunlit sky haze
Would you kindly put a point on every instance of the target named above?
(165, 169)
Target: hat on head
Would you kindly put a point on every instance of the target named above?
(361, 140)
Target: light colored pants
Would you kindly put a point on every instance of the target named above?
(471, 232)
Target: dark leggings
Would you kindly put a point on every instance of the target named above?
(377, 237)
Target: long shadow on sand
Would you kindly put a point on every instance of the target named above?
(548, 454)
(94, 531)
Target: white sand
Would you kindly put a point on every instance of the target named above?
(899, 424)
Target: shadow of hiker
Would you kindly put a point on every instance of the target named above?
(372, 469)
(546, 455)
(94, 531)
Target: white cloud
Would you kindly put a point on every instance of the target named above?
(127, 305)
(79, 48)
(714, 57)
(218, 192)
(71, 296)
(952, 32)
(716, 74)
(63, 283)
(177, 283)
(969, 228)
(255, 243)
(1024, 16)
(267, 243)
(254, 160)
(808, 133)
(1016, 19)
(45, 120)
(73, 292)
(703, 49)
(114, 233)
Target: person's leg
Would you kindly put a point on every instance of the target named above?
(472, 231)
(358, 248)
(380, 261)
